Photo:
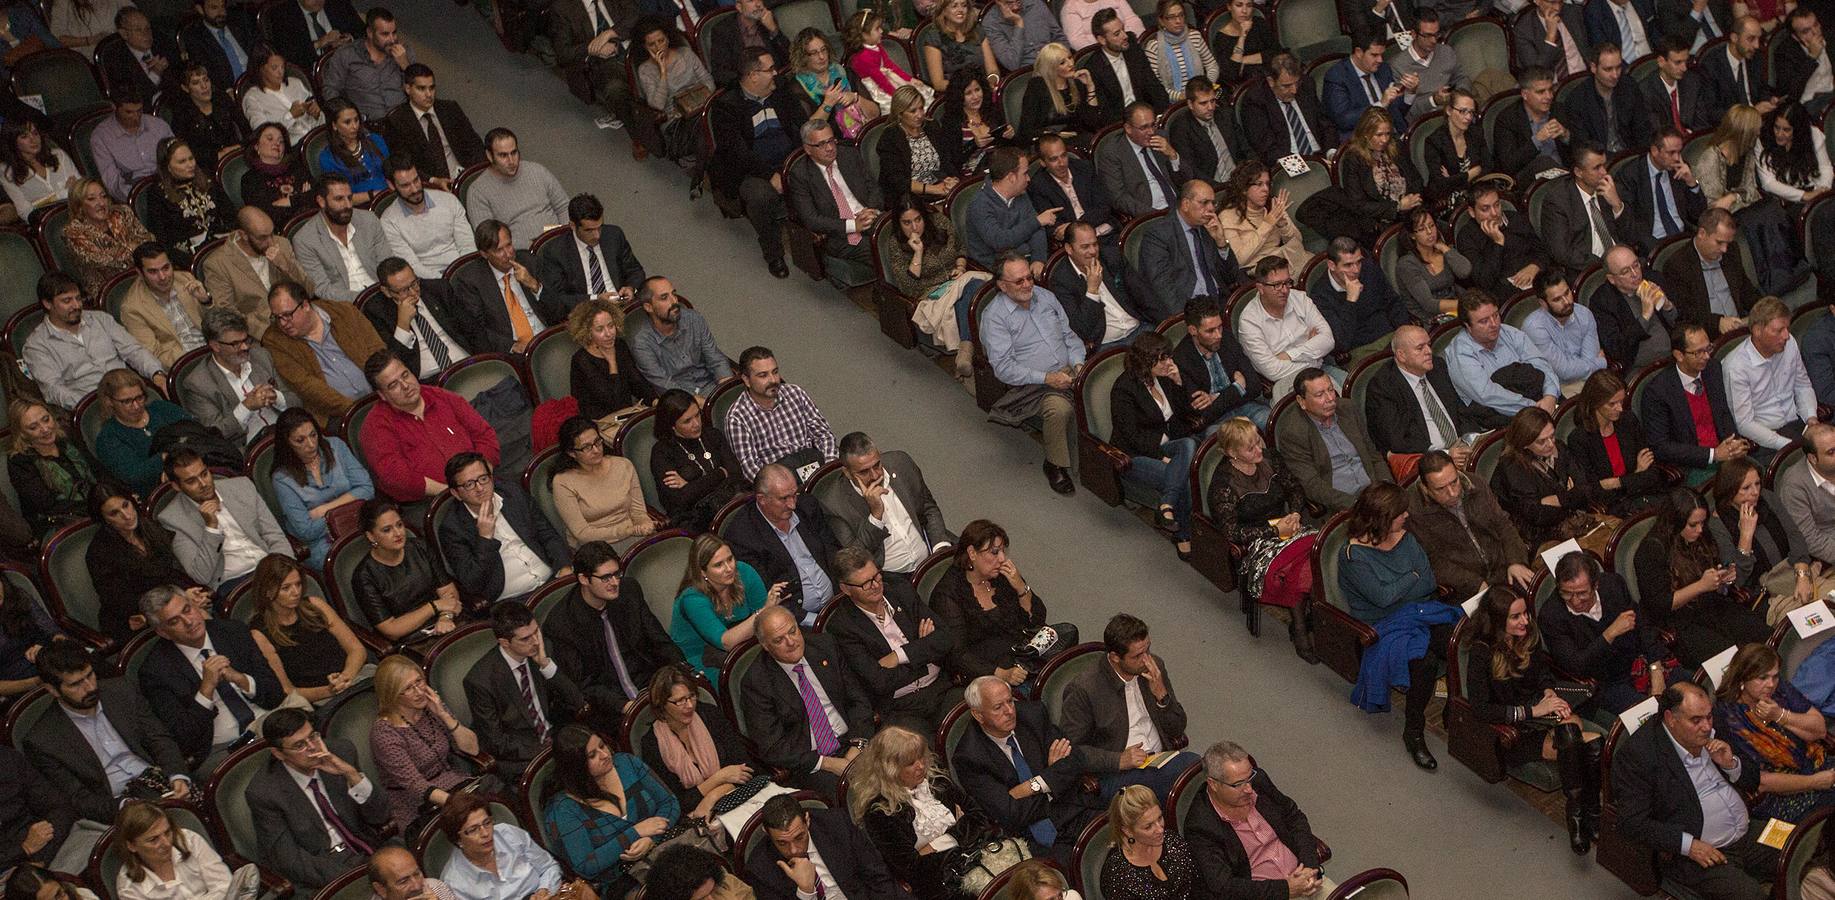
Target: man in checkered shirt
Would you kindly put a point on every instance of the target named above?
(776, 422)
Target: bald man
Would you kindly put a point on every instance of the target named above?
(396, 875)
(804, 671)
(1397, 404)
(250, 262)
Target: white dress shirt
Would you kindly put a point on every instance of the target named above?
(1119, 64)
(1767, 394)
(223, 729)
(1140, 725)
(546, 672)
(523, 568)
(831, 890)
(421, 119)
(358, 791)
(356, 276)
(241, 553)
(242, 382)
(588, 254)
(1116, 323)
(1417, 384)
(904, 547)
(522, 298)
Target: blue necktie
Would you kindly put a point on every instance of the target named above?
(1043, 830)
(229, 50)
(1666, 220)
(232, 699)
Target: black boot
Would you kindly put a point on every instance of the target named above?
(1589, 810)
(1570, 761)
(1300, 630)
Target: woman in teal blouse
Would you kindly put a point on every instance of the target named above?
(714, 611)
(609, 812)
(125, 443)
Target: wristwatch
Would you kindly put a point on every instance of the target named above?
(1038, 784)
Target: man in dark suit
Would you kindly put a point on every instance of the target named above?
(315, 814)
(1235, 788)
(1608, 110)
(730, 45)
(100, 736)
(1661, 194)
(1531, 139)
(1794, 61)
(1393, 406)
(589, 46)
(1629, 25)
(784, 534)
(1677, 789)
(1141, 173)
(1590, 626)
(1735, 73)
(1634, 314)
(1282, 117)
(219, 41)
(893, 650)
(1361, 81)
(827, 175)
(1167, 275)
(479, 293)
(1019, 769)
(1118, 51)
(1384, 17)
(756, 126)
(1069, 184)
(198, 658)
(1094, 294)
(1357, 300)
(1204, 141)
(518, 695)
(1550, 34)
(817, 853)
(303, 30)
(603, 635)
(419, 320)
(35, 818)
(1504, 251)
(1096, 713)
(1222, 381)
(800, 672)
(1685, 426)
(489, 561)
(1706, 282)
(435, 133)
(1672, 97)
(1584, 214)
(141, 60)
(882, 505)
(598, 262)
(1315, 445)
(1694, 22)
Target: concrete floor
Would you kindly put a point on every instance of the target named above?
(1450, 834)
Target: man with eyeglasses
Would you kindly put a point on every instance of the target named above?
(604, 635)
(1434, 65)
(421, 324)
(71, 351)
(496, 543)
(240, 276)
(1634, 315)
(831, 194)
(1283, 333)
(316, 816)
(409, 436)
(316, 346)
(1185, 256)
(1684, 408)
(1247, 836)
(894, 651)
(237, 393)
(1141, 174)
(755, 129)
(1033, 351)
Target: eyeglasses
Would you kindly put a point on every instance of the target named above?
(594, 444)
(1238, 785)
(821, 144)
(1277, 285)
(608, 577)
(476, 483)
(289, 313)
(1023, 279)
(234, 345)
(1699, 351)
(304, 744)
(134, 400)
(878, 578)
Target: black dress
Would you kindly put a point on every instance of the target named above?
(1123, 880)
(1704, 627)
(261, 187)
(121, 573)
(313, 657)
(728, 745)
(987, 636)
(1260, 40)
(207, 135)
(1520, 489)
(700, 463)
(1510, 701)
(970, 158)
(599, 391)
(1038, 117)
(184, 224)
(46, 506)
(1635, 488)
(384, 591)
(895, 836)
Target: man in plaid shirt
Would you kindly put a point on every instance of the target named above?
(776, 422)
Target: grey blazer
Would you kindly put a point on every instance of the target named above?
(200, 551)
(318, 253)
(849, 518)
(1811, 509)
(208, 395)
(1096, 714)
(292, 836)
(1125, 181)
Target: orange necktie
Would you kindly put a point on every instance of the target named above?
(519, 322)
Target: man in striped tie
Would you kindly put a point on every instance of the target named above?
(800, 707)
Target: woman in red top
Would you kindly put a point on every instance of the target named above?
(1608, 444)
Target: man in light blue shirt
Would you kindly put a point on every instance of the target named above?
(777, 496)
(1768, 388)
(1484, 348)
(1565, 332)
(1032, 350)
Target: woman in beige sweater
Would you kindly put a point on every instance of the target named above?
(1256, 220)
(596, 493)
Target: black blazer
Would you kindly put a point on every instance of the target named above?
(27, 798)
(1220, 854)
(734, 160)
(1576, 644)
(121, 69)
(475, 562)
(1147, 86)
(1037, 116)
(1528, 39)
(477, 294)
(600, 392)
(728, 746)
(1791, 66)
(1196, 376)
(987, 775)
(1136, 425)
(1668, 422)
(170, 684)
(813, 203)
(1377, 312)
(564, 278)
(1688, 288)
(708, 488)
(1589, 452)
(1440, 157)
(1493, 262)
(1165, 271)
(77, 778)
(439, 301)
(291, 835)
(894, 835)
(1620, 332)
(1641, 207)
(1195, 147)
(1516, 154)
(1395, 417)
(755, 542)
(1585, 113)
(1085, 312)
(851, 859)
(576, 640)
(207, 135)
(1602, 24)
(1675, 17)
(406, 133)
(1046, 193)
(498, 714)
(1567, 228)
(1260, 40)
(780, 726)
(726, 51)
(1688, 101)
(862, 645)
(1266, 125)
(895, 157)
(290, 35)
(570, 31)
(200, 46)
(1656, 801)
(1360, 192)
(1721, 89)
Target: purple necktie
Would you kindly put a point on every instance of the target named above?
(337, 824)
(826, 742)
(528, 699)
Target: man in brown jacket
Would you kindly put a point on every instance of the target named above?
(250, 262)
(316, 345)
(1469, 540)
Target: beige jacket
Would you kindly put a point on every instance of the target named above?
(231, 279)
(145, 319)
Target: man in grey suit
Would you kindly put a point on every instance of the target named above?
(1805, 492)
(1181, 258)
(832, 173)
(235, 390)
(1097, 717)
(339, 223)
(1141, 174)
(220, 529)
(1327, 449)
(882, 505)
(316, 816)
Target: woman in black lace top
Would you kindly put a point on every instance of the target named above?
(987, 604)
(1147, 862)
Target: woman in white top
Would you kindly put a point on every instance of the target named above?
(276, 97)
(1793, 160)
(33, 171)
(910, 811)
(161, 861)
(79, 24)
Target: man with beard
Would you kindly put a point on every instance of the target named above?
(218, 42)
(71, 351)
(256, 257)
(237, 393)
(338, 233)
(673, 345)
(425, 225)
(316, 346)
(774, 422)
(368, 72)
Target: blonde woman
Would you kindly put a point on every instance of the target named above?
(1061, 97)
(916, 155)
(912, 812)
(1147, 861)
(717, 605)
(102, 235)
(603, 376)
(161, 861)
(413, 740)
(51, 474)
(1728, 168)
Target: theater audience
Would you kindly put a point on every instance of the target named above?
(1728, 164)
(889, 512)
(610, 811)
(51, 474)
(602, 633)
(314, 476)
(124, 444)
(1178, 51)
(1472, 542)
(1496, 365)
(925, 264)
(129, 555)
(304, 640)
(671, 79)
(1769, 722)
(368, 72)
(1537, 140)
(317, 347)
(402, 587)
(1684, 584)
(411, 437)
(221, 528)
(276, 95)
(1207, 142)
(987, 604)
(717, 606)
(315, 814)
(774, 422)
(1768, 551)
(353, 152)
(694, 469)
(161, 859)
(1139, 176)
(1249, 839)
(1635, 316)
(1380, 184)
(826, 86)
(498, 860)
(1457, 156)
(1768, 388)
(1509, 681)
(1261, 508)
(1327, 449)
(1018, 29)
(692, 748)
(522, 194)
(413, 740)
(1242, 44)
(917, 156)
(911, 811)
(754, 28)
(1709, 288)
(784, 536)
(892, 649)
(1256, 221)
(1148, 861)
(816, 853)
(504, 295)
(1793, 161)
(803, 710)
(1097, 712)
(73, 348)
(1592, 630)
(596, 493)
(1806, 500)
(1685, 407)
(498, 545)
(832, 193)
(1185, 255)
(186, 207)
(1546, 490)
(1428, 273)
(1284, 333)
(604, 375)
(1608, 448)
(1003, 220)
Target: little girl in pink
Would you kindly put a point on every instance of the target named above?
(874, 70)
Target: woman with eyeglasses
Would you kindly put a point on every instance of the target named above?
(413, 740)
(125, 443)
(1151, 420)
(595, 492)
(692, 465)
(692, 747)
(401, 586)
(826, 86)
(1456, 155)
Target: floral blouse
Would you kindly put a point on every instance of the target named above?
(104, 251)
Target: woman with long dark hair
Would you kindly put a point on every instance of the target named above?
(37, 172)
(205, 117)
(1256, 220)
(51, 474)
(694, 469)
(25, 629)
(1151, 416)
(970, 110)
(305, 640)
(1429, 273)
(1686, 586)
(609, 812)
(402, 586)
(279, 97)
(1793, 158)
(1769, 554)
(353, 151)
(1538, 482)
(314, 474)
(187, 207)
(130, 554)
(1242, 44)
(596, 492)
(926, 262)
(1608, 446)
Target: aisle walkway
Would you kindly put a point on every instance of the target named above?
(1453, 836)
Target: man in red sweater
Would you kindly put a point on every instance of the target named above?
(408, 438)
